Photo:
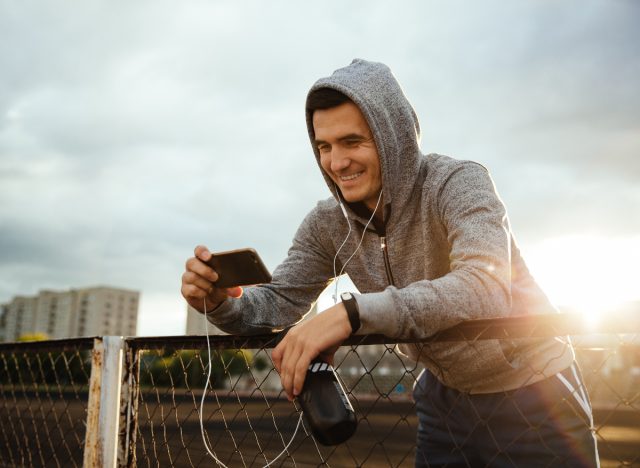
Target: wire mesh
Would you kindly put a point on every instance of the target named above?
(43, 402)
(248, 420)
(611, 370)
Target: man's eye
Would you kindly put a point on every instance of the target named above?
(324, 148)
(351, 143)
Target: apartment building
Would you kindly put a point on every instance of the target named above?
(196, 324)
(94, 311)
(19, 317)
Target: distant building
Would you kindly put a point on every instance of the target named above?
(19, 317)
(96, 311)
(196, 321)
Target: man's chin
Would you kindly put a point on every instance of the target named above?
(351, 194)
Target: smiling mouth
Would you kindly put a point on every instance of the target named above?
(351, 177)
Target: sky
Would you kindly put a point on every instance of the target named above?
(130, 132)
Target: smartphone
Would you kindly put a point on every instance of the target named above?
(242, 267)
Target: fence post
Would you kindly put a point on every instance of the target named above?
(129, 407)
(104, 401)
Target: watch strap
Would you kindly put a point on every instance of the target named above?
(353, 313)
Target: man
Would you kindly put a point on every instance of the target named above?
(427, 241)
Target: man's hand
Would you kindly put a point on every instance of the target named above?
(198, 279)
(319, 336)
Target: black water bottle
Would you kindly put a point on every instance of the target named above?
(326, 406)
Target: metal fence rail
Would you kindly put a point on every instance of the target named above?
(246, 418)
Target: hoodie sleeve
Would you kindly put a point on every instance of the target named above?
(295, 285)
(478, 283)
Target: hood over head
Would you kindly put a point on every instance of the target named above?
(393, 123)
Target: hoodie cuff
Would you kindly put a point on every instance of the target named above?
(377, 314)
(222, 314)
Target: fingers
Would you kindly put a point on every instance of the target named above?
(202, 253)
(198, 282)
(301, 367)
(289, 370)
(200, 268)
(320, 335)
(196, 286)
(291, 358)
(199, 298)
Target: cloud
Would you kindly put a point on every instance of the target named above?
(129, 133)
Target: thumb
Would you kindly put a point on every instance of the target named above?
(234, 292)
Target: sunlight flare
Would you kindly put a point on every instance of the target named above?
(591, 275)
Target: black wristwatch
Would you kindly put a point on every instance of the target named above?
(353, 313)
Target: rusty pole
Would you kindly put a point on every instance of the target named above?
(104, 402)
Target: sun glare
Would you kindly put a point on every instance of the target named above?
(587, 274)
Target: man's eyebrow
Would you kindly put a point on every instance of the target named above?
(352, 136)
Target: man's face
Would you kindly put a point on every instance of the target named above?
(348, 153)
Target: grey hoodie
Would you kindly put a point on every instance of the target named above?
(450, 251)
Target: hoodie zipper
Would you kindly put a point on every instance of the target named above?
(385, 255)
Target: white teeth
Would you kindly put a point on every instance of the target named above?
(351, 177)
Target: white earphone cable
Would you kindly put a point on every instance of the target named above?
(335, 300)
(204, 393)
(364, 231)
(335, 276)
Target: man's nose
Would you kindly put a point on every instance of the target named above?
(339, 160)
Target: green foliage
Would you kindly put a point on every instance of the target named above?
(168, 368)
(189, 368)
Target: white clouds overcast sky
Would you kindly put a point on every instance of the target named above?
(132, 131)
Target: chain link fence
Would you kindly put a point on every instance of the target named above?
(43, 402)
(246, 418)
